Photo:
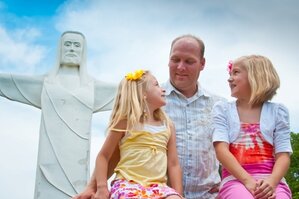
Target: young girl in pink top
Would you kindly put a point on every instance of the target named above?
(252, 135)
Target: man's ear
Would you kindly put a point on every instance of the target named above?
(202, 63)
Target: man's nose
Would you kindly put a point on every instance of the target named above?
(181, 66)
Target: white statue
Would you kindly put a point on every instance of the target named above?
(67, 97)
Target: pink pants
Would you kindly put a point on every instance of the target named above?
(234, 189)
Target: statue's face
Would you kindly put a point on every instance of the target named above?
(71, 49)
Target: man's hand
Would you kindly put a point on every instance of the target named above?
(214, 189)
(88, 193)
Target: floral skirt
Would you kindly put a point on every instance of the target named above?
(122, 189)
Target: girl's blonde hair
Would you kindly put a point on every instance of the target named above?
(262, 76)
(130, 104)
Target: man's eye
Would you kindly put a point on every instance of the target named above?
(189, 61)
(175, 60)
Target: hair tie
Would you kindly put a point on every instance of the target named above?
(230, 66)
(135, 76)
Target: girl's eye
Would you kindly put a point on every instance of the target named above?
(236, 72)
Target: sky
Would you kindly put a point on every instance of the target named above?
(126, 35)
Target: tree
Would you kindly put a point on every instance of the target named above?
(292, 176)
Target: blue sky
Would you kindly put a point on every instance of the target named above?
(126, 35)
(32, 8)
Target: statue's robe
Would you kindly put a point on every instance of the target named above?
(64, 140)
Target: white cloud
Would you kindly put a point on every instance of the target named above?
(19, 143)
(18, 51)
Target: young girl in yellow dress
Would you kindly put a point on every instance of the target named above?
(146, 140)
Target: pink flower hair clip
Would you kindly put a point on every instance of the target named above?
(230, 66)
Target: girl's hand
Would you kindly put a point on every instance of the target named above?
(102, 193)
(251, 185)
(265, 189)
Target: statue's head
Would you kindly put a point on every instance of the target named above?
(71, 52)
(71, 48)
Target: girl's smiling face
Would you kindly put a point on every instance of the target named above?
(155, 95)
(238, 82)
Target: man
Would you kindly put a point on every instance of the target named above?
(67, 97)
(189, 106)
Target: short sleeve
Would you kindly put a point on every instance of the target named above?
(220, 122)
(282, 140)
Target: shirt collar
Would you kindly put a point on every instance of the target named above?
(169, 88)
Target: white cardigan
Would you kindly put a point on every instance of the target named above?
(274, 124)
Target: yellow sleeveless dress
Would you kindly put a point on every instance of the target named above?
(143, 156)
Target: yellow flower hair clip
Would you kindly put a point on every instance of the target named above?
(135, 76)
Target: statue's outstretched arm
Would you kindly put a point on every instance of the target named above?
(22, 88)
(104, 96)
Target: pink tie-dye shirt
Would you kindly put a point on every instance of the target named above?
(252, 151)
